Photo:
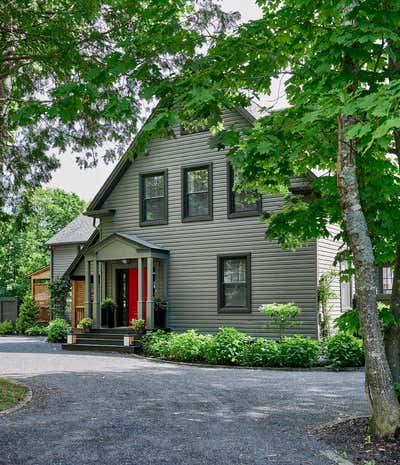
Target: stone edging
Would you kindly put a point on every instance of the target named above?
(240, 367)
(335, 457)
(22, 403)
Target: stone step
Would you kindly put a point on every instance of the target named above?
(100, 341)
(99, 348)
(101, 335)
(124, 330)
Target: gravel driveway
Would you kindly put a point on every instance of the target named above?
(118, 410)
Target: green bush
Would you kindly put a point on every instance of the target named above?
(28, 314)
(226, 347)
(57, 330)
(345, 350)
(188, 346)
(299, 351)
(36, 330)
(397, 390)
(281, 316)
(260, 352)
(156, 344)
(7, 327)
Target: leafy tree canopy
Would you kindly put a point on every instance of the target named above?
(73, 73)
(36, 218)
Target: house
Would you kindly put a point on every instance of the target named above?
(175, 245)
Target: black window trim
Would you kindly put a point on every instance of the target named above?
(142, 177)
(220, 281)
(231, 201)
(184, 170)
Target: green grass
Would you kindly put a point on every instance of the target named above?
(11, 393)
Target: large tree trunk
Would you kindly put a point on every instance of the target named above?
(392, 334)
(378, 380)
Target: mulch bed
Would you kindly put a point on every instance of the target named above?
(354, 439)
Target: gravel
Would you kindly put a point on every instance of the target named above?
(91, 408)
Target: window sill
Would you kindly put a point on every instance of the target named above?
(153, 223)
(247, 214)
(192, 219)
(234, 310)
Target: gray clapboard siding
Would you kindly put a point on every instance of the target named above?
(277, 275)
(327, 249)
(62, 257)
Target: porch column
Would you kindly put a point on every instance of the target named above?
(166, 296)
(150, 301)
(140, 289)
(87, 289)
(96, 318)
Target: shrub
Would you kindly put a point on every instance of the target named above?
(344, 350)
(27, 315)
(226, 347)
(188, 346)
(85, 323)
(36, 330)
(7, 327)
(138, 325)
(298, 351)
(260, 352)
(281, 316)
(156, 344)
(57, 330)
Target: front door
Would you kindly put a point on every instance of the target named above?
(133, 293)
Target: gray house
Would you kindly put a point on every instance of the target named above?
(175, 245)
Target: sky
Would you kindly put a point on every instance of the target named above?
(87, 182)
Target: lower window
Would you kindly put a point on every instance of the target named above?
(234, 284)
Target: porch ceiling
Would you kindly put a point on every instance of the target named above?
(119, 246)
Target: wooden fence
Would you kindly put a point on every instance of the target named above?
(9, 308)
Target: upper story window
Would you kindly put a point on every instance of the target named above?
(197, 193)
(154, 202)
(385, 280)
(234, 285)
(238, 203)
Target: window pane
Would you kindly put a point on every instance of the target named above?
(154, 209)
(197, 204)
(241, 204)
(154, 186)
(197, 180)
(387, 280)
(235, 295)
(235, 270)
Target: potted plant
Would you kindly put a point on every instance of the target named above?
(108, 307)
(139, 326)
(85, 324)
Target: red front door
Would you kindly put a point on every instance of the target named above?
(133, 293)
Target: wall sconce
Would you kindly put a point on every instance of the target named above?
(125, 261)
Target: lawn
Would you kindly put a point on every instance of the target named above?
(11, 392)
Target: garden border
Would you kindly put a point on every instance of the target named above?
(22, 403)
(242, 367)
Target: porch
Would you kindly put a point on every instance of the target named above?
(129, 270)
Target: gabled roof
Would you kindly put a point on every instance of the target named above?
(42, 273)
(77, 232)
(251, 114)
(132, 239)
(81, 254)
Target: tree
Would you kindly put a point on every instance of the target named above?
(36, 218)
(344, 111)
(72, 73)
(27, 314)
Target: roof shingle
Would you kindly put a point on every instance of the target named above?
(76, 232)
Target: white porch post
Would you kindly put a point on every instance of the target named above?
(140, 289)
(150, 301)
(96, 318)
(87, 289)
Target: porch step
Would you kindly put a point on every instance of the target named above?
(99, 348)
(100, 341)
(101, 335)
(127, 330)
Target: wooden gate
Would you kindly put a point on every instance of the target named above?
(78, 301)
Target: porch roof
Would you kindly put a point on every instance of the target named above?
(118, 246)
